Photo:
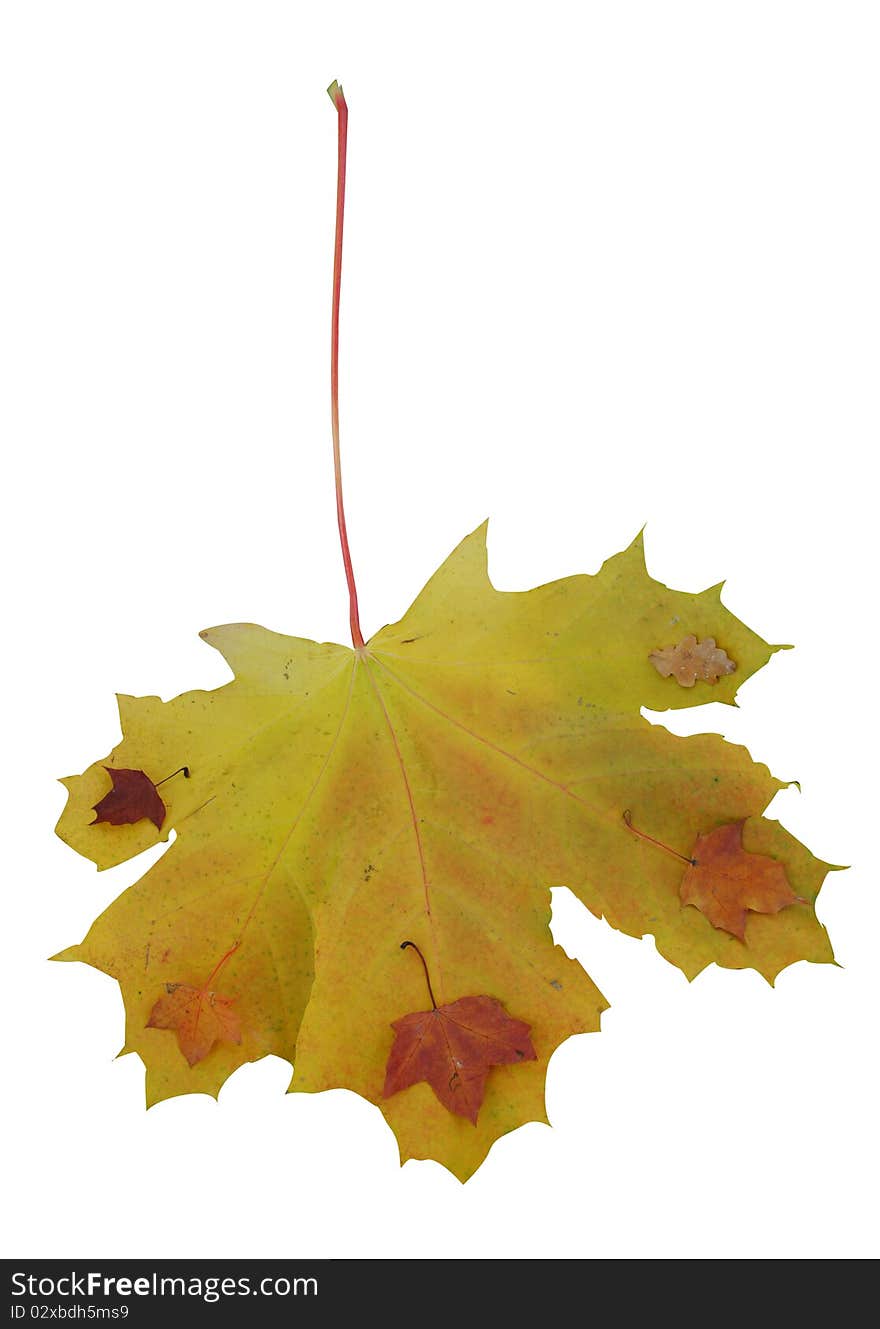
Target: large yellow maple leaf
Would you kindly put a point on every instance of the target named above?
(432, 787)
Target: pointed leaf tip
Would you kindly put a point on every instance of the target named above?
(636, 546)
(66, 954)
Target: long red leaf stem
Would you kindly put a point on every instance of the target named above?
(336, 96)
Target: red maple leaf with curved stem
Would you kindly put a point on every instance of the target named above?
(454, 1047)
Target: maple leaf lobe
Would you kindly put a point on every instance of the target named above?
(200, 1019)
(726, 881)
(691, 660)
(132, 798)
(453, 1047)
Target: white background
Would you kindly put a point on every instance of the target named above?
(605, 264)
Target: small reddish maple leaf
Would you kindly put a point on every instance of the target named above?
(201, 1019)
(725, 881)
(453, 1048)
(691, 660)
(133, 797)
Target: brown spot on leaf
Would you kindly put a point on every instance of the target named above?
(691, 660)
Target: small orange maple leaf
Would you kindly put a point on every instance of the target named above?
(201, 1019)
(453, 1048)
(725, 881)
(133, 797)
(691, 660)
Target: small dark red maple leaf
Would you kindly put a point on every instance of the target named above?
(133, 797)
(453, 1048)
(725, 881)
(200, 1018)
